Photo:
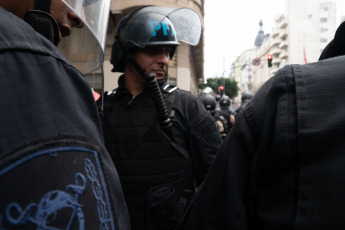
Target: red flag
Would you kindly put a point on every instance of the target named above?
(305, 57)
(96, 95)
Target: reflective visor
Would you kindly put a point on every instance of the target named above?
(85, 47)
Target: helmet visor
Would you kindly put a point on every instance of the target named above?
(85, 46)
(186, 22)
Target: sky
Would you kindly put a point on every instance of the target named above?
(231, 27)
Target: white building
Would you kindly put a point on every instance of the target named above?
(298, 37)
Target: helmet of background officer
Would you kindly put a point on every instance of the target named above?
(151, 26)
(208, 90)
(209, 101)
(246, 96)
(224, 101)
(218, 97)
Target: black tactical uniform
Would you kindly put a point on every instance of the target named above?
(158, 174)
(160, 156)
(282, 167)
(54, 169)
(224, 107)
(210, 102)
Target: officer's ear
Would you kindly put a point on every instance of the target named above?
(117, 56)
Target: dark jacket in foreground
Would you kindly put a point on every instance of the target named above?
(283, 165)
(55, 172)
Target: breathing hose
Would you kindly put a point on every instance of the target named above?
(157, 99)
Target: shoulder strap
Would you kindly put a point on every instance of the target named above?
(108, 96)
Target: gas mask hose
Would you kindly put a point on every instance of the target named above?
(158, 102)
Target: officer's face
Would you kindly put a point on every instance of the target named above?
(65, 18)
(154, 59)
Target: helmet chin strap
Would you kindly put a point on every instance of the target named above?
(43, 5)
(41, 20)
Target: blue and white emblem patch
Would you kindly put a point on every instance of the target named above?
(58, 188)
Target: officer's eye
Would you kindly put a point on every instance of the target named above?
(167, 52)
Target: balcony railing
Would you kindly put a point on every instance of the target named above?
(283, 34)
(284, 44)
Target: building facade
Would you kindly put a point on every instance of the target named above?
(298, 37)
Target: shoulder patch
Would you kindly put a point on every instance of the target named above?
(55, 188)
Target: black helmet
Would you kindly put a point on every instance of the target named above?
(152, 25)
(224, 101)
(209, 101)
(246, 96)
(218, 97)
(208, 90)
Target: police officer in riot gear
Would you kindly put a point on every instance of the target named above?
(245, 98)
(210, 102)
(55, 172)
(218, 97)
(224, 106)
(208, 90)
(161, 138)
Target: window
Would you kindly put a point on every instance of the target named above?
(95, 81)
(323, 19)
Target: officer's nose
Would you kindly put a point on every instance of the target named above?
(76, 21)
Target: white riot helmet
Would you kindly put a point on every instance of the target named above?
(85, 47)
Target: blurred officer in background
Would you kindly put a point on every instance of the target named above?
(161, 138)
(224, 105)
(246, 96)
(55, 172)
(218, 97)
(210, 102)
